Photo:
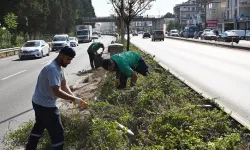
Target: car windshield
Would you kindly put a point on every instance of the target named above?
(59, 38)
(248, 34)
(174, 31)
(32, 44)
(210, 33)
(71, 38)
(158, 32)
(84, 32)
(146, 33)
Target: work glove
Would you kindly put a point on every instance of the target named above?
(79, 102)
(117, 83)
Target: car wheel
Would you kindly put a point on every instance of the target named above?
(48, 53)
(162, 39)
(237, 42)
(41, 54)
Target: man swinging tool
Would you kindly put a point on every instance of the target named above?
(51, 84)
(126, 64)
(92, 51)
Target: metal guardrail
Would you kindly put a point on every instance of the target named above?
(8, 50)
(215, 43)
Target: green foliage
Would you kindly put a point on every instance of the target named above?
(173, 25)
(11, 21)
(169, 15)
(5, 38)
(162, 112)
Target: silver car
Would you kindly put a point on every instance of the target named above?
(157, 35)
(34, 48)
(73, 41)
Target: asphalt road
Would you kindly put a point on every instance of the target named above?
(217, 72)
(18, 80)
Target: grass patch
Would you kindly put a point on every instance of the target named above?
(162, 112)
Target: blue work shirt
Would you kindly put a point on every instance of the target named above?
(50, 75)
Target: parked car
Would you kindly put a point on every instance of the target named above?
(240, 33)
(181, 34)
(197, 35)
(174, 33)
(248, 36)
(73, 41)
(34, 49)
(207, 30)
(208, 36)
(146, 34)
(135, 34)
(157, 35)
(229, 37)
(60, 41)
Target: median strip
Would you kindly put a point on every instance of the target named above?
(13, 75)
(161, 111)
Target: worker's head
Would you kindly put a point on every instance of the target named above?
(65, 56)
(108, 64)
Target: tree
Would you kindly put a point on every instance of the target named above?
(169, 15)
(11, 21)
(171, 26)
(128, 9)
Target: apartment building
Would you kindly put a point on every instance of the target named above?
(188, 13)
(215, 14)
(237, 15)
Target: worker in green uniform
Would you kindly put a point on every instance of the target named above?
(92, 51)
(126, 64)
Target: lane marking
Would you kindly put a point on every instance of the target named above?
(13, 75)
(45, 62)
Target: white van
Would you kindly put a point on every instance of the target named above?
(60, 41)
(240, 33)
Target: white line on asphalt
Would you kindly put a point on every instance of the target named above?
(13, 75)
(45, 62)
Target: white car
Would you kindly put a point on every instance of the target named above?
(59, 42)
(174, 33)
(73, 41)
(95, 36)
(34, 48)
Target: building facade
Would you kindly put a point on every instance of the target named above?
(189, 13)
(237, 15)
(215, 13)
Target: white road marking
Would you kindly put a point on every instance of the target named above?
(45, 62)
(13, 75)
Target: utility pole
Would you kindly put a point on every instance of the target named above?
(122, 22)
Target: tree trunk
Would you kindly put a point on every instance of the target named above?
(128, 37)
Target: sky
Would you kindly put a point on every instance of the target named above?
(160, 7)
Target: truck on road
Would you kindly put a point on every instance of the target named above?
(83, 33)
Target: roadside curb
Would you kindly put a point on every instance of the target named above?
(211, 43)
